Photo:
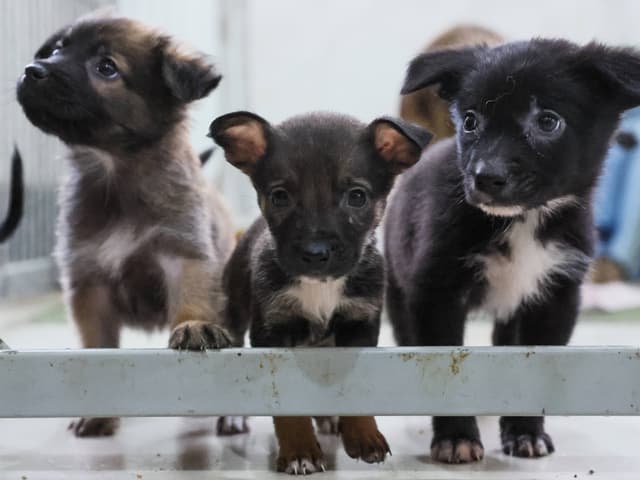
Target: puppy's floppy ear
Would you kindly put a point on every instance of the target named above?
(443, 67)
(616, 70)
(188, 76)
(50, 44)
(244, 138)
(398, 142)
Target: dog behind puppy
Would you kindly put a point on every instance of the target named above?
(141, 238)
(308, 272)
(499, 219)
(16, 199)
(424, 106)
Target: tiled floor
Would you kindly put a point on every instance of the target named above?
(187, 448)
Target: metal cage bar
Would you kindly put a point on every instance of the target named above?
(366, 381)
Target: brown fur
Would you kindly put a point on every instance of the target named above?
(142, 239)
(425, 107)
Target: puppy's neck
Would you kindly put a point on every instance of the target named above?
(120, 161)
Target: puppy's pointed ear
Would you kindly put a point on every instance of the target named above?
(189, 76)
(616, 71)
(398, 142)
(243, 136)
(443, 67)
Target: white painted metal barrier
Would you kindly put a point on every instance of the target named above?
(322, 381)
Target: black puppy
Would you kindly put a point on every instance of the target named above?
(499, 220)
(308, 272)
(16, 199)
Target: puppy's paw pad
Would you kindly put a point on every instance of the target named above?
(94, 426)
(459, 450)
(197, 335)
(231, 425)
(370, 447)
(327, 425)
(528, 446)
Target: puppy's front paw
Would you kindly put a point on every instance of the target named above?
(231, 425)
(94, 426)
(301, 459)
(198, 335)
(361, 439)
(525, 437)
(456, 450)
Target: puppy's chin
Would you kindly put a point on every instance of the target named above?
(502, 211)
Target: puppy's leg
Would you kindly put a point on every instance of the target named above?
(299, 448)
(99, 326)
(195, 308)
(548, 323)
(438, 318)
(360, 435)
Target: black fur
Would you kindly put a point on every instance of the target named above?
(318, 159)
(456, 214)
(16, 198)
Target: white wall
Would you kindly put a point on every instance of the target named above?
(283, 57)
(350, 56)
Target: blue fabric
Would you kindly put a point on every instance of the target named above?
(617, 201)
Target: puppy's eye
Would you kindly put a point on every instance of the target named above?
(280, 197)
(356, 198)
(54, 52)
(470, 122)
(548, 121)
(107, 68)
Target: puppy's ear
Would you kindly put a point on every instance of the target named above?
(443, 67)
(244, 138)
(398, 142)
(616, 71)
(50, 44)
(188, 76)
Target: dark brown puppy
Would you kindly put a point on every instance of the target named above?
(16, 199)
(308, 273)
(425, 107)
(141, 238)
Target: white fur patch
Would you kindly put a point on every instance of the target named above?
(523, 274)
(118, 245)
(512, 211)
(317, 298)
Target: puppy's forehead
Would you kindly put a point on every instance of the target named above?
(508, 77)
(318, 147)
(115, 35)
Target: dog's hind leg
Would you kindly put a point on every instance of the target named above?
(547, 323)
(99, 326)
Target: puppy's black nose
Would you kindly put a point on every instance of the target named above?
(489, 180)
(36, 71)
(316, 252)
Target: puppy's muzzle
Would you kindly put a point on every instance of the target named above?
(36, 71)
(489, 181)
(316, 253)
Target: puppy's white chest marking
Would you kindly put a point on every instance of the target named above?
(318, 299)
(524, 273)
(120, 244)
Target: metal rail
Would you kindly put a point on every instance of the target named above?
(376, 381)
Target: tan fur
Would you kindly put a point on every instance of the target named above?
(142, 238)
(425, 107)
